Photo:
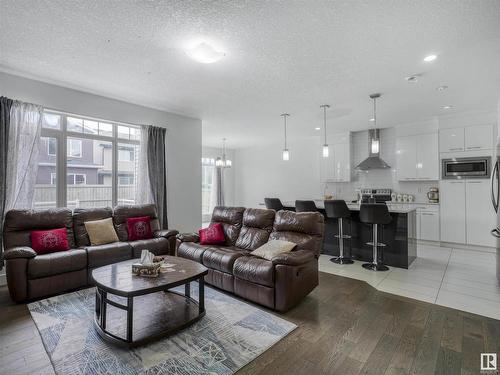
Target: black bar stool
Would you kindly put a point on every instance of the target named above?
(273, 204)
(375, 214)
(305, 206)
(337, 209)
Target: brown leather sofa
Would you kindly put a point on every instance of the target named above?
(278, 284)
(31, 276)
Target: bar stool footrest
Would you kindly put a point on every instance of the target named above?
(379, 244)
(344, 236)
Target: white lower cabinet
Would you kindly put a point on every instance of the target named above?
(467, 215)
(481, 217)
(428, 223)
(452, 202)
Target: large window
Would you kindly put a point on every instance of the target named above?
(86, 162)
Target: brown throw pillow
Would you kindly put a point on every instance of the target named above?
(273, 248)
(101, 231)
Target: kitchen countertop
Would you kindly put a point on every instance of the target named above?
(398, 208)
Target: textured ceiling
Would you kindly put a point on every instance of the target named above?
(282, 56)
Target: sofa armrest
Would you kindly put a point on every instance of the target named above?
(19, 252)
(165, 233)
(188, 237)
(294, 258)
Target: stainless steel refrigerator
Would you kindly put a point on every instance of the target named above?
(495, 196)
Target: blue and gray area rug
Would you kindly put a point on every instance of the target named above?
(231, 335)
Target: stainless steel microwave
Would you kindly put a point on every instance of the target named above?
(476, 167)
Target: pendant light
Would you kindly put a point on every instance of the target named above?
(222, 162)
(286, 153)
(325, 145)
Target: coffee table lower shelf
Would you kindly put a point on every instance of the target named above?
(147, 317)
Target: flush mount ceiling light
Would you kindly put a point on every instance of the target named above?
(430, 58)
(441, 88)
(325, 145)
(204, 53)
(286, 153)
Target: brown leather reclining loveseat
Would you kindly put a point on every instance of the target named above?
(32, 276)
(278, 284)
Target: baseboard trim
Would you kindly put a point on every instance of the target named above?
(481, 249)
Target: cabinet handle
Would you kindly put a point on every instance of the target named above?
(473, 148)
(427, 214)
(456, 149)
(474, 182)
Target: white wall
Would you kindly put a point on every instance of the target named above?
(183, 138)
(261, 173)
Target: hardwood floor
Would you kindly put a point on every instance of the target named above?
(345, 327)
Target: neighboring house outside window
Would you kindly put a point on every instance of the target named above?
(89, 163)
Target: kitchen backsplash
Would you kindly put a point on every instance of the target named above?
(380, 178)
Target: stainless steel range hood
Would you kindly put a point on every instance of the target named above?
(373, 161)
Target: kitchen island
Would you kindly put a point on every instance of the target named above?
(399, 235)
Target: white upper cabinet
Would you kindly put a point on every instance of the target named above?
(479, 137)
(417, 157)
(470, 138)
(406, 158)
(427, 157)
(337, 166)
(452, 140)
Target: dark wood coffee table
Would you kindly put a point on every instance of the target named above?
(158, 311)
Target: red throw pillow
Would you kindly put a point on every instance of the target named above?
(139, 228)
(49, 241)
(212, 235)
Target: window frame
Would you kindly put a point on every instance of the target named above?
(80, 147)
(48, 146)
(63, 134)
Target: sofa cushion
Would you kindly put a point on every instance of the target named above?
(82, 215)
(49, 241)
(303, 228)
(255, 270)
(221, 259)
(18, 225)
(102, 255)
(231, 219)
(101, 232)
(192, 250)
(158, 246)
(122, 213)
(57, 263)
(257, 225)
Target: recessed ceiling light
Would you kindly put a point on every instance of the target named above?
(447, 107)
(317, 128)
(371, 120)
(412, 79)
(205, 53)
(441, 88)
(430, 58)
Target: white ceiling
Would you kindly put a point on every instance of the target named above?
(282, 56)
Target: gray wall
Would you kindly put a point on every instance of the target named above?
(184, 137)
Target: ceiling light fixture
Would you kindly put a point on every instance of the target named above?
(430, 58)
(371, 120)
(325, 145)
(447, 107)
(222, 162)
(412, 79)
(286, 153)
(317, 128)
(205, 53)
(441, 88)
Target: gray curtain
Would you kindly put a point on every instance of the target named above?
(157, 168)
(219, 186)
(5, 105)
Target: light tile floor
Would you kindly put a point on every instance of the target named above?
(462, 279)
